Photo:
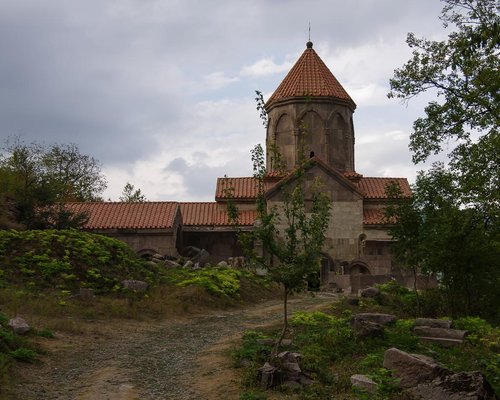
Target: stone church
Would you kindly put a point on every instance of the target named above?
(309, 110)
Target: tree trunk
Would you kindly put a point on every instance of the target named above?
(415, 288)
(274, 353)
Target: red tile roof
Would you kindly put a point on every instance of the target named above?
(374, 188)
(111, 215)
(373, 216)
(236, 188)
(208, 214)
(309, 77)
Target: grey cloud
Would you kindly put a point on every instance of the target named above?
(121, 78)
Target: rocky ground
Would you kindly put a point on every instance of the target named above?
(172, 359)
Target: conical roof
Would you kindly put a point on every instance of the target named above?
(309, 77)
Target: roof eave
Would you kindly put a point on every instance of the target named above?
(272, 103)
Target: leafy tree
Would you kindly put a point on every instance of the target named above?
(463, 71)
(72, 175)
(288, 237)
(132, 195)
(36, 181)
(461, 247)
(290, 234)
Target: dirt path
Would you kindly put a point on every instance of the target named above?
(174, 359)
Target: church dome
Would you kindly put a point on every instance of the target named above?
(309, 77)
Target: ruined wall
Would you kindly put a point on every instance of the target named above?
(220, 244)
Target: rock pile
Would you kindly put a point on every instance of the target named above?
(371, 324)
(424, 379)
(439, 332)
(284, 370)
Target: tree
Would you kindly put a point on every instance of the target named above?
(72, 175)
(132, 195)
(463, 71)
(461, 247)
(36, 181)
(290, 234)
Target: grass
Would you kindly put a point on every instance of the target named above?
(331, 353)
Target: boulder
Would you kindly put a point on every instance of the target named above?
(196, 255)
(370, 292)
(440, 332)
(267, 372)
(364, 382)
(19, 326)
(171, 264)
(412, 369)
(289, 356)
(136, 286)
(86, 294)
(152, 264)
(366, 329)
(382, 319)
(222, 264)
(461, 386)
(433, 323)
(188, 264)
(265, 342)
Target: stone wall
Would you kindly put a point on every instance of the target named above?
(146, 241)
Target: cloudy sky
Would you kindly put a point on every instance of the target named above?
(161, 92)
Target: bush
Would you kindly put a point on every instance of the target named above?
(23, 354)
(251, 350)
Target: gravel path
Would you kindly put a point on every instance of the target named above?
(146, 362)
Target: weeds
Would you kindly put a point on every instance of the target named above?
(23, 354)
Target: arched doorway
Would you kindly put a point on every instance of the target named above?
(319, 279)
(146, 254)
(359, 268)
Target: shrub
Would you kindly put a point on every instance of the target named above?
(23, 354)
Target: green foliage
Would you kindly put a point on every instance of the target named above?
(132, 195)
(23, 354)
(322, 339)
(46, 333)
(474, 325)
(292, 234)
(463, 72)
(253, 396)
(217, 281)
(35, 181)
(251, 349)
(221, 282)
(68, 260)
(434, 233)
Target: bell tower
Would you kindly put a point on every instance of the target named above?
(310, 113)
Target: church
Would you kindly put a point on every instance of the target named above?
(311, 112)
